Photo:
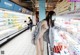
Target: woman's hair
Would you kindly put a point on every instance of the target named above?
(30, 20)
(49, 18)
(29, 17)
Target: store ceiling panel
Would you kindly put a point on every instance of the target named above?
(24, 3)
(50, 4)
(34, 4)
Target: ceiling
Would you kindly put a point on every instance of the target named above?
(34, 4)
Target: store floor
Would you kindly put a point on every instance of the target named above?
(20, 45)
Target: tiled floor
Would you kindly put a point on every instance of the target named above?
(21, 45)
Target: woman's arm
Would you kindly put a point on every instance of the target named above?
(43, 29)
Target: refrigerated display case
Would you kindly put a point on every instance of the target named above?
(67, 26)
(67, 31)
(11, 23)
(67, 35)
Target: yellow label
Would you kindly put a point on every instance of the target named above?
(5, 15)
(15, 17)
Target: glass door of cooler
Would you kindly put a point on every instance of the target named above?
(65, 39)
(11, 22)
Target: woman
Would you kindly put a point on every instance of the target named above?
(45, 25)
(30, 23)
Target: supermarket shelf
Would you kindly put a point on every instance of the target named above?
(73, 45)
(71, 13)
(70, 34)
(11, 36)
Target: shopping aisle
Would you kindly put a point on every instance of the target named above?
(21, 45)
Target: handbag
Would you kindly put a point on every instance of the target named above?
(46, 36)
